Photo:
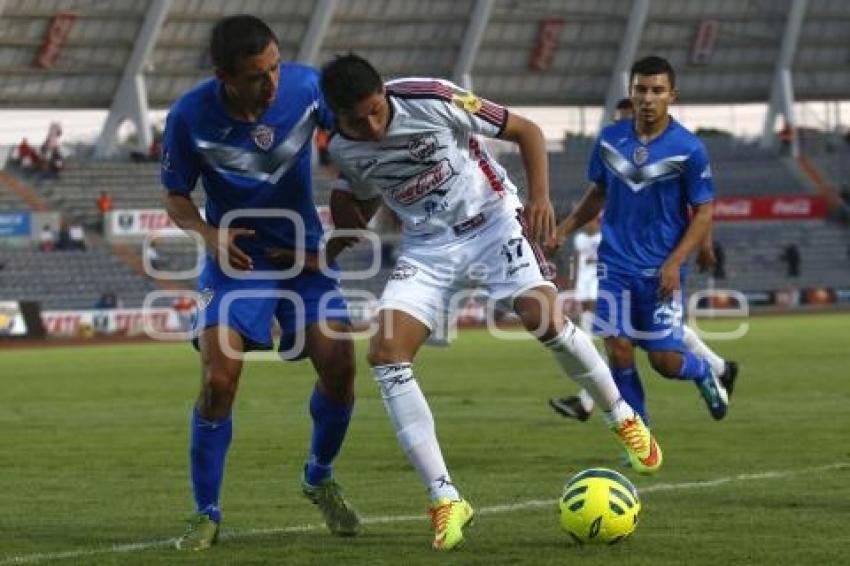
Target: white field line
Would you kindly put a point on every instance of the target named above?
(492, 510)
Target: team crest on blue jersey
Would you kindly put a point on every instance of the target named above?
(205, 297)
(263, 136)
(640, 155)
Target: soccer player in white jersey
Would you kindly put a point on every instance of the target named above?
(586, 245)
(415, 143)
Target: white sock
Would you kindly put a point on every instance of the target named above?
(586, 400)
(579, 358)
(701, 350)
(587, 322)
(414, 427)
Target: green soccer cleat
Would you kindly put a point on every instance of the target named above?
(714, 394)
(340, 517)
(639, 443)
(449, 518)
(201, 534)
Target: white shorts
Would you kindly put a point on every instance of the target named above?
(587, 288)
(429, 282)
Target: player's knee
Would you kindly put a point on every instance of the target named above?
(382, 352)
(220, 384)
(666, 363)
(620, 353)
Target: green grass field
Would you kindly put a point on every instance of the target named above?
(93, 458)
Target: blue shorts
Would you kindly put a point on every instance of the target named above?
(628, 306)
(249, 306)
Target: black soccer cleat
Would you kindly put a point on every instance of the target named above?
(569, 407)
(727, 378)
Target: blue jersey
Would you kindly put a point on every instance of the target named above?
(261, 165)
(648, 189)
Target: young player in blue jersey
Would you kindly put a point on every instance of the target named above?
(581, 406)
(646, 173)
(246, 134)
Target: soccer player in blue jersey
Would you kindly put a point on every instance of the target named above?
(246, 133)
(646, 173)
(580, 406)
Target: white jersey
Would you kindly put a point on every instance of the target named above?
(587, 281)
(431, 168)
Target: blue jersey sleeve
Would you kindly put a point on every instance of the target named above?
(698, 184)
(324, 116)
(595, 167)
(180, 165)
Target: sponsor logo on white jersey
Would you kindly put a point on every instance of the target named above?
(417, 188)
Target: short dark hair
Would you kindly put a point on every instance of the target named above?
(236, 37)
(348, 79)
(625, 104)
(653, 65)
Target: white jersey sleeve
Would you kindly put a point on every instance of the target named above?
(351, 182)
(457, 108)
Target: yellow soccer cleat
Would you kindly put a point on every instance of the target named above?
(641, 448)
(201, 534)
(449, 518)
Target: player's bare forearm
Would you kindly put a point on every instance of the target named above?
(221, 245)
(532, 147)
(184, 213)
(538, 211)
(348, 213)
(588, 208)
(696, 234)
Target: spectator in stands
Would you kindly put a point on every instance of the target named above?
(26, 156)
(108, 300)
(791, 257)
(151, 255)
(185, 307)
(50, 151)
(47, 239)
(77, 236)
(63, 240)
(786, 137)
(625, 110)
(104, 206)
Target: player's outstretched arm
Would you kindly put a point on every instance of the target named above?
(694, 236)
(538, 211)
(706, 259)
(220, 245)
(588, 208)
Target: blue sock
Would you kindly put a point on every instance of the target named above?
(628, 382)
(694, 368)
(330, 423)
(210, 441)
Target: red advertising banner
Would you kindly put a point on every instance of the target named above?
(57, 33)
(797, 207)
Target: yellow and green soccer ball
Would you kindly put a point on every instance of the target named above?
(599, 506)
